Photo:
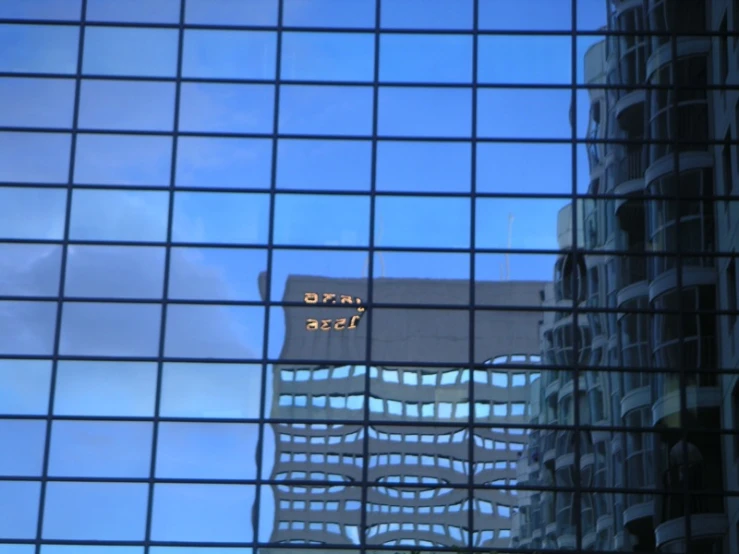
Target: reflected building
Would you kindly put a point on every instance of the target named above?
(422, 454)
(662, 332)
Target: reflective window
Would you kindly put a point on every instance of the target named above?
(34, 157)
(126, 105)
(32, 213)
(324, 164)
(36, 102)
(524, 113)
(30, 269)
(424, 166)
(126, 160)
(221, 108)
(39, 48)
(231, 12)
(24, 386)
(549, 59)
(495, 215)
(232, 218)
(534, 15)
(98, 329)
(25, 458)
(208, 513)
(229, 54)
(329, 13)
(207, 162)
(29, 328)
(119, 215)
(211, 390)
(105, 389)
(130, 51)
(100, 449)
(425, 112)
(134, 11)
(427, 14)
(95, 511)
(328, 56)
(325, 110)
(19, 509)
(42, 9)
(426, 58)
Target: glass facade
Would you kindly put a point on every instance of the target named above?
(367, 276)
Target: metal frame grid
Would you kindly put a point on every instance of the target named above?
(575, 310)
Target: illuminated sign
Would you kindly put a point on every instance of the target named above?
(330, 299)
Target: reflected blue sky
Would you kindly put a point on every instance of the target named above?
(93, 511)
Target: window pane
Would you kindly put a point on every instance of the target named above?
(214, 331)
(534, 223)
(549, 59)
(329, 13)
(100, 449)
(211, 390)
(30, 269)
(29, 328)
(207, 451)
(127, 160)
(95, 511)
(422, 222)
(42, 9)
(25, 456)
(36, 102)
(224, 162)
(105, 389)
(514, 267)
(425, 112)
(32, 213)
(24, 386)
(232, 218)
(126, 105)
(80, 549)
(231, 12)
(523, 15)
(229, 54)
(19, 509)
(97, 329)
(516, 167)
(423, 166)
(134, 11)
(325, 220)
(226, 274)
(524, 113)
(427, 14)
(35, 157)
(39, 48)
(119, 215)
(324, 164)
(325, 110)
(328, 56)
(211, 513)
(115, 272)
(226, 108)
(133, 51)
(426, 58)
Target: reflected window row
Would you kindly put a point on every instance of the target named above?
(411, 14)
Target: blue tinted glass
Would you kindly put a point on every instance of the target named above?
(534, 15)
(422, 112)
(427, 14)
(42, 9)
(19, 509)
(523, 113)
(231, 12)
(36, 102)
(328, 56)
(325, 110)
(426, 58)
(424, 166)
(229, 54)
(26, 456)
(35, 157)
(131, 51)
(224, 163)
(95, 511)
(30, 269)
(39, 48)
(32, 213)
(134, 11)
(81, 549)
(24, 386)
(29, 328)
(321, 220)
(529, 217)
(329, 13)
(324, 164)
(219, 108)
(548, 59)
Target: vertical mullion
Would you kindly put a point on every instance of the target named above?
(165, 288)
(62, 278)
(370, 286)
(259, 453)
